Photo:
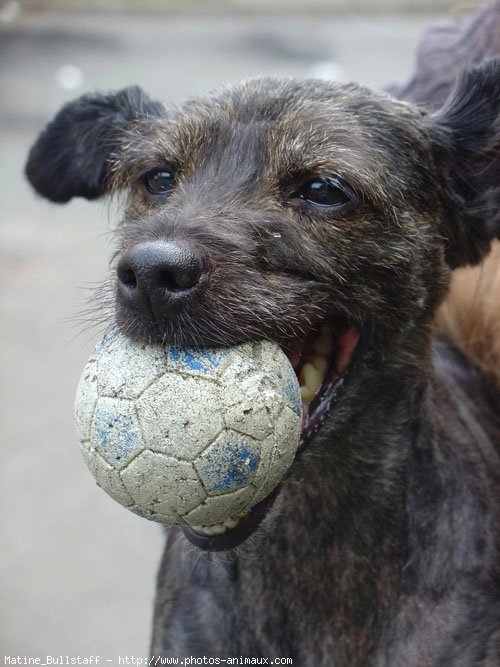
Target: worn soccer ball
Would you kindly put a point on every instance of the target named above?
(185, 436)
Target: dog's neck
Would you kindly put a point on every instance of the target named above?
(347, 536)
(345, 532)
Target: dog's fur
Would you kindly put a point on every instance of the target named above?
(470, 315)
(382, 547)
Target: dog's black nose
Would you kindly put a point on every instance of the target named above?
(152, 272)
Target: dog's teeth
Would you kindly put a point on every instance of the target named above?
(320, 363)
(312, 378)
(232, 522)
(218, 528)
(312, 374)
(306, 394)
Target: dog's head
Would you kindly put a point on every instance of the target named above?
(323, 216)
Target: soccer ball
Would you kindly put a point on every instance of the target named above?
(188, 436)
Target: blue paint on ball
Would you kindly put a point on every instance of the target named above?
(105, 343)
(197, 360)
(115, 435)
(292, 393)
(229, 469)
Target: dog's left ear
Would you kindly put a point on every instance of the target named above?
(466, 136)
(71, 156)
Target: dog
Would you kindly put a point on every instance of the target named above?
(327, 217)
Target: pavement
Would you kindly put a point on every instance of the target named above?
(77, 570)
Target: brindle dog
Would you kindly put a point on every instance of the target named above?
(326, 217)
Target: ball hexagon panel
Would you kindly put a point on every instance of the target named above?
(126, 368)
(229, 463)
(252, 405)
(115, 431)
(162, 485)
(107, 477)
(180, 415)
(244, 361)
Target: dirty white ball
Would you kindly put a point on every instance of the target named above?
(188, 436)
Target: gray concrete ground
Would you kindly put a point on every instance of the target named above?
(77, 570)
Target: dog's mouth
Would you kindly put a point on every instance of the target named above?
(322, 360)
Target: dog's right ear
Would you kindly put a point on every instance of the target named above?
(466, 136)
(71, 156)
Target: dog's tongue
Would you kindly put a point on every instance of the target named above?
(346, 344)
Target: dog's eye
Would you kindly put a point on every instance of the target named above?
(159, 181)
(328, 192)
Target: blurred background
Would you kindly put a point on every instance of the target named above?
(77, 570)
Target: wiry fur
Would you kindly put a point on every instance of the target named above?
(382, 547)
(470, 316)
